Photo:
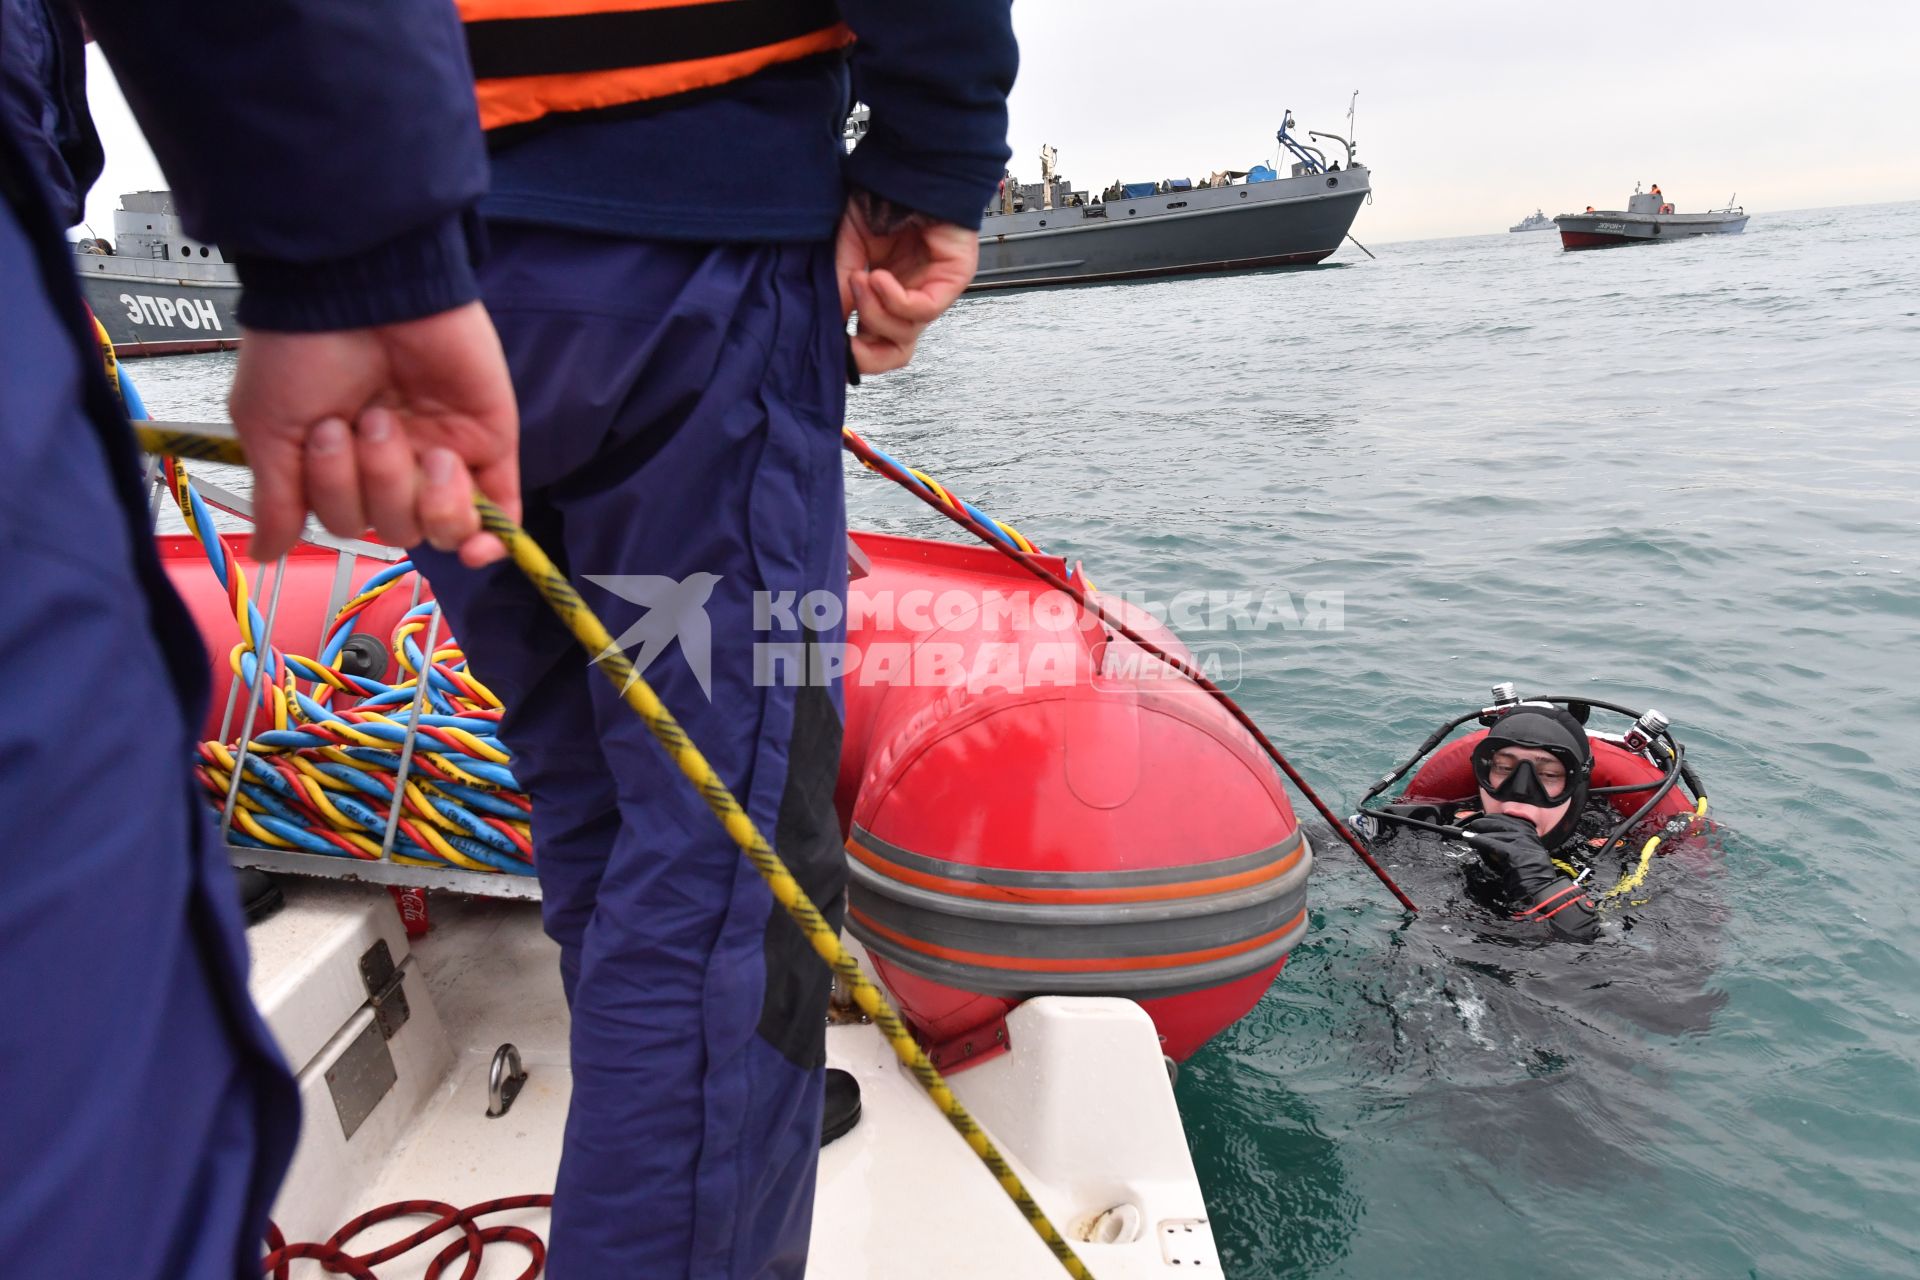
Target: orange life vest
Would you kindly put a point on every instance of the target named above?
(536, 58)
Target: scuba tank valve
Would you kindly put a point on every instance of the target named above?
(1645, 731)
(1506, 696)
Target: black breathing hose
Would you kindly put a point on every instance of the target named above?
(1615, 836)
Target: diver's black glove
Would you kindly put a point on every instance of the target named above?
(1538, 889)
(1512, 847)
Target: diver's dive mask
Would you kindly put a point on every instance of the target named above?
(1524, 781)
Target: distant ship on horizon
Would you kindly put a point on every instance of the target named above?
(1535, 221)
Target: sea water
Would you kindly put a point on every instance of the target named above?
(1679, 475)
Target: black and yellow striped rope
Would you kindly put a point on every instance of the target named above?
(638, 694)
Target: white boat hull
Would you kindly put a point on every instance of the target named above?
(1080, 1104)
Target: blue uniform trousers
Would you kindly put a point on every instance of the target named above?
(681, 409)
(145, 1117)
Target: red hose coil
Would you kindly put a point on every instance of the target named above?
(333, 1255)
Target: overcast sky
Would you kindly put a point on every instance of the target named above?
(1471, 113)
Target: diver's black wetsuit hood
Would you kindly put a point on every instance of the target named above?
(1544, 728)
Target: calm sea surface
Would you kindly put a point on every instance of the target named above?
(1682, 475)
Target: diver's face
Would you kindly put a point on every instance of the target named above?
(1547, 767)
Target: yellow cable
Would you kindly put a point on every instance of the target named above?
(316, 673)
(952, 503)
(1631, 881)
(318, 798)
(461, 776)
(438, 843)
(243, 819)
(487, 695)
(639, 695)
(419, 804)
(325, 780)
(107, 356)
(476, 747)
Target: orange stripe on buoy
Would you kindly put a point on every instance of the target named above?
(1092, 965)
(1125, 893)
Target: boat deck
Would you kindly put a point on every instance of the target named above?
(1081, 1105)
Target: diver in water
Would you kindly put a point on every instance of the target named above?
(1532, 812)
(1533, 768)
(1533, 771)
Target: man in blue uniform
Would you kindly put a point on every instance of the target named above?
(145, 1116)
(671, 275)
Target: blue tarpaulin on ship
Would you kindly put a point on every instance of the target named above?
(1135, 190)
(1260, 173)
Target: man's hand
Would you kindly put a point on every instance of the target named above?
(899, 271)
(392, 427)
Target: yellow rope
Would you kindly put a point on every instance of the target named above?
(638, 694)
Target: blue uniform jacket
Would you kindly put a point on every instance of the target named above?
(763, 162)
(330, 149)
(43, 99)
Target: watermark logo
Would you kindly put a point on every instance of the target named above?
(924, 611)
(982, 640)
(1126, 666)
(676, 610)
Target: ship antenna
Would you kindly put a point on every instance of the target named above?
(1353, 141)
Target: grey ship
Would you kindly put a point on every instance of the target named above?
(157, 290)
(1047, 233)
(1648, 219)
(1535, 221)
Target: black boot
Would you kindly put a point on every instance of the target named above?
(843, 1105)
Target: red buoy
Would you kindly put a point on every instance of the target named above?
(1041, 808)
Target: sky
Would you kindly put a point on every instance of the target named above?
(1471, 113)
